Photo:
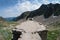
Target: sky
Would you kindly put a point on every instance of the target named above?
(14, 8)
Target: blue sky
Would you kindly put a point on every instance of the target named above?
(13, 8)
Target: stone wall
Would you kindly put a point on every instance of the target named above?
(17, 34)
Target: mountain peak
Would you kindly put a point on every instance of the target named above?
(47, 10)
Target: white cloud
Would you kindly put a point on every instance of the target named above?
(24, 6)
(20, 8)
(27, 6)
(45, 2)
(56, 1)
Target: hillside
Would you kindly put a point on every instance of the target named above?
(9, 18)
(6, 28)
(2, 19)
(46, 14)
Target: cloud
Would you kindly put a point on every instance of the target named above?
(20, 8)
(45, 2)
(28, 6)
(23, 6)
(56, 1)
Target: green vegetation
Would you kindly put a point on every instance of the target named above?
(6, 24)
(52, 35)
(6, 29)
(7, 35)
(54, 31)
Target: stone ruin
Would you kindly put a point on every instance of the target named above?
(30, 30)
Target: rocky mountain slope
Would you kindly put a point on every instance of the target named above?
(46, 14)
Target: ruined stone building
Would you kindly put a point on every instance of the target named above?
(30, 30)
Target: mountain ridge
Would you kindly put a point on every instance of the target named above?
(46, 10)
(47, 13)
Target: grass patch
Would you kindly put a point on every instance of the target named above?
(52, 35)
(7, 35)
(5, 31)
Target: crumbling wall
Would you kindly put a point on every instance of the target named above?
(16, 35)
(30, 30)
